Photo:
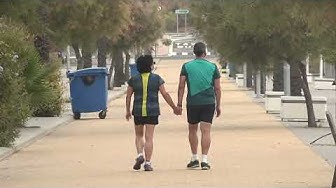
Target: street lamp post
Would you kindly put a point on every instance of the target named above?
(287, 82)
(185, 23)
(321, 66)
(177, 23)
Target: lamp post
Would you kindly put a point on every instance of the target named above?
(177, 23)
(321, 66)
(287, 81)
(185, 23)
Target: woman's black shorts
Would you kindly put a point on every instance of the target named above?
(148, 120)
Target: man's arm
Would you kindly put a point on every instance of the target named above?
(128, 102)
(167, 97)
(181, 88)
(218, 93)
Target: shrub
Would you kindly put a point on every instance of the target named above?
(14, 103)
(43, 87)
(27, 87)
(167, 42)
(52, 103)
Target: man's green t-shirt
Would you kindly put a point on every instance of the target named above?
(200, 75)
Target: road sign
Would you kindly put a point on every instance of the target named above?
(181, 11)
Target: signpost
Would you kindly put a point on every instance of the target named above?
(178, 12)
(181, 11)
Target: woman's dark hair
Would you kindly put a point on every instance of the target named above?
(144, 63)
(199, 49)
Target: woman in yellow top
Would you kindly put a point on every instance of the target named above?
(145, 87)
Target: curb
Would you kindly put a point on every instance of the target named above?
(10, 151)
(30, 141)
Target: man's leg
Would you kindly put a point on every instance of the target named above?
(193, 141)
(206, 137)
(205, 143)
(193, 138)
(193, 113)
(139, 144)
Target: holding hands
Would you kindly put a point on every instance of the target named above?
(128, 115)
(178, 110)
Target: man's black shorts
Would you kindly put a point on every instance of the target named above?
(148, 120)
(198, 113)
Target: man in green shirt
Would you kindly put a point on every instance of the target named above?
(204, 93)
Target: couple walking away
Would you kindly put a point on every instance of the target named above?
(203, 99)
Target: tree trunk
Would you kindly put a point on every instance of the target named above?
(41, 42)
(102, 51)
(263, 83)
(78, 56)
(278, 79)
(119, 68)
(42, 46)
(249, 75)
(87, 58)
(127, 70)
(307, 95)
(148, 51)
(113, 60)
(296, 81)
(233, 71)
(138, 52)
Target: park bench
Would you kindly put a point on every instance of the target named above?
(333, 132)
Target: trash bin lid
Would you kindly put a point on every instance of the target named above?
(89, 71)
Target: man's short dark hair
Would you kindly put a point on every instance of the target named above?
(144, 63)
(199, 49)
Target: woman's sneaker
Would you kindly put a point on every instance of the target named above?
(205, 166)
(138, 162)
(148, 167)
(193, 164)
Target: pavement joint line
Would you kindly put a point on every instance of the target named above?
(12, 150)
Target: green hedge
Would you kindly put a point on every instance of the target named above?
(27, 87)
(43, 86)
(14, 100)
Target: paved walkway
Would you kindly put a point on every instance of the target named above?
(250, 149)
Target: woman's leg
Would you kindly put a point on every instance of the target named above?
(149, 141)
(139, 140)
(139, 144)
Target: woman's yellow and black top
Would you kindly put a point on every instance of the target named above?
(146, 89)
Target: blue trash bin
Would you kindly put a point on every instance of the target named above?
(134, 70)
(89, 91)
